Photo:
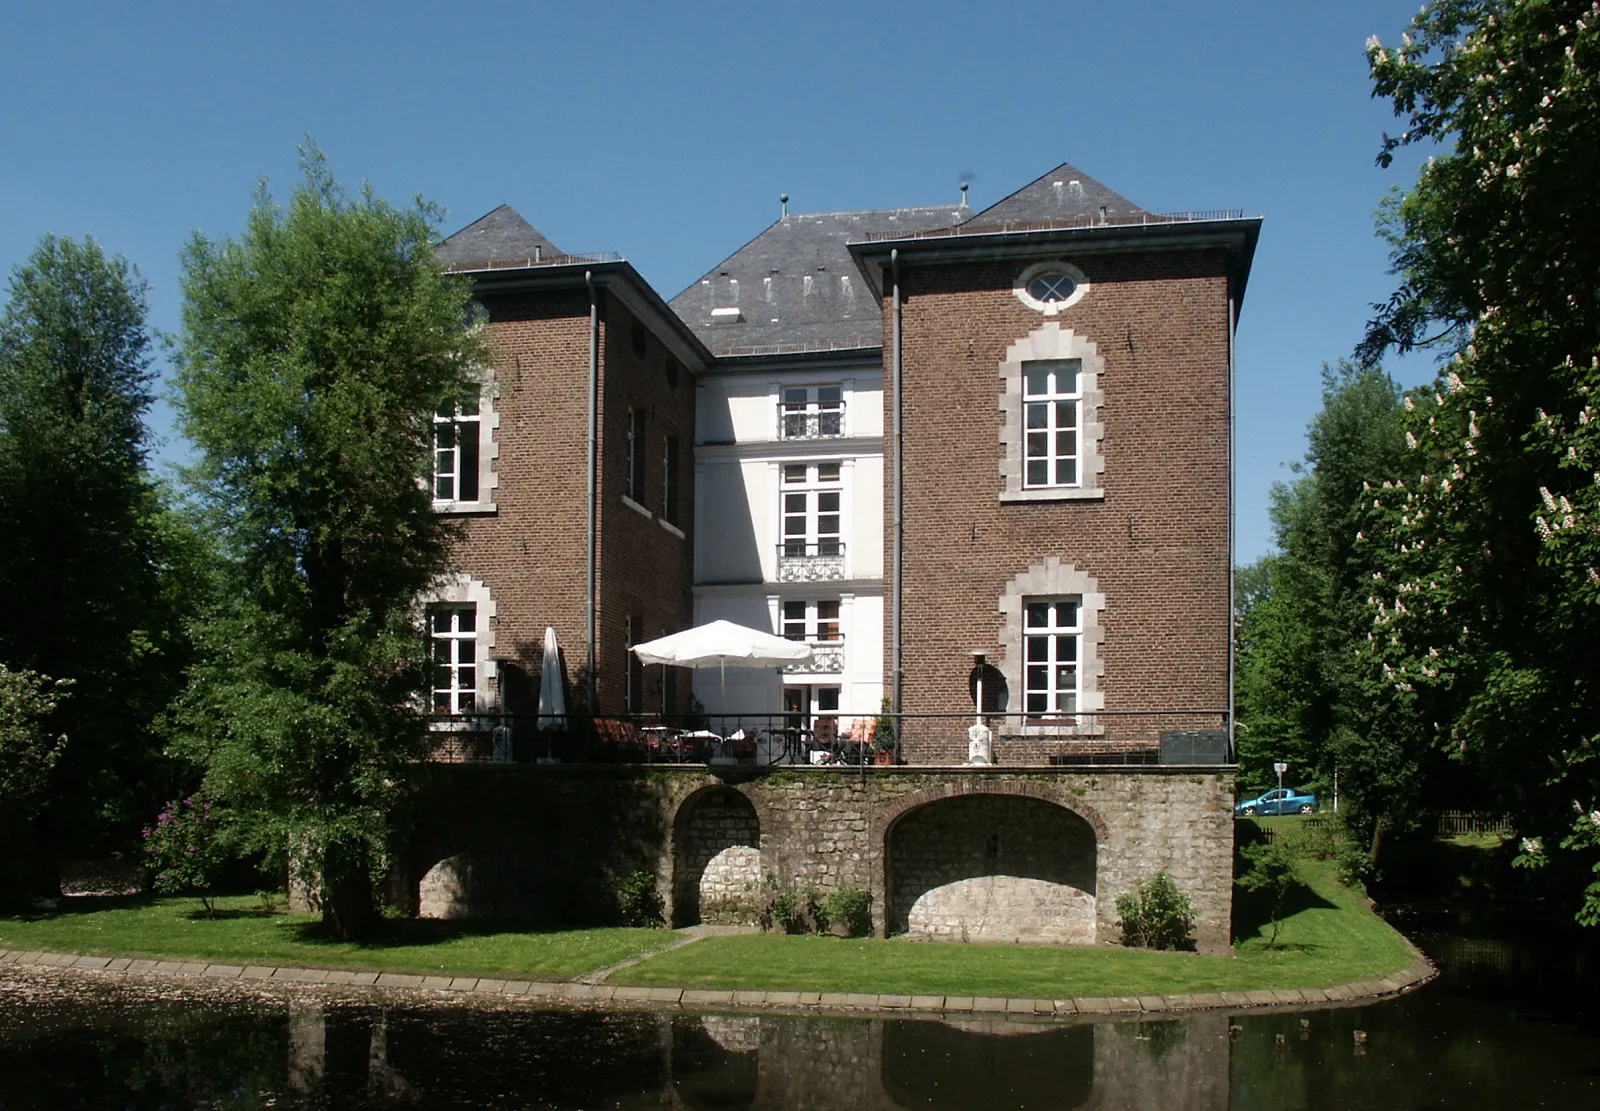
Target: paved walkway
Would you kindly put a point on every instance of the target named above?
(801, 1002)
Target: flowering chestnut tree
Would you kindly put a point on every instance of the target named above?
(1485, 620)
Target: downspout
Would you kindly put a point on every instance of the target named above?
(594, 424)
(899, 503)
(1233, 325)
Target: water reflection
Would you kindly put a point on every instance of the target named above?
(995, 1066)
(1509, 1025)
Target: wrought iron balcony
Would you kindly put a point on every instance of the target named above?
(798, 423)
(827, 658)
(810, 562)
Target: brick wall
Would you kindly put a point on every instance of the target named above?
(532, 551)
(1156, 544)
(646, 570)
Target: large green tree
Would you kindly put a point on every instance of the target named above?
(87, 539)
(1485, 624)
(1304, 614)
(315, 348)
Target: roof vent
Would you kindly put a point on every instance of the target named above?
(730, 315)
(963, 194)
(783, 199)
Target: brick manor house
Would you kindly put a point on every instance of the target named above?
(910, 437)
(903, 435)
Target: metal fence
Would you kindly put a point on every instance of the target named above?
(1455, 822)
(832, 740)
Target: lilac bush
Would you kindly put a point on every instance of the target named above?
(187, 849)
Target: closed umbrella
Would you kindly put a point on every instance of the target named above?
(720, 644)
(552, 697)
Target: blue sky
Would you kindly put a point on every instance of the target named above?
(667, 131)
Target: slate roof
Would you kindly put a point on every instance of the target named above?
(796, 286)
(502, 234)
(1065, 193)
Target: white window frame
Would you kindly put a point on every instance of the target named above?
(1051, 343)
(1042, 415)
(804, 414)
(809, 623)
(812, 489)
(478, 429)
(1023, 286)
(1052, 650)
(1052, 580)
(462, 591)
(453, 634)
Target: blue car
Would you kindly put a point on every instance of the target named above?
(1281, 800)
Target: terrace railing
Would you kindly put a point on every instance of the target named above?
(860, 741)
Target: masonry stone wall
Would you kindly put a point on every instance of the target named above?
(552, 843)
(717, 876)
(993, 868)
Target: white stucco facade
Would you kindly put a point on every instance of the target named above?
(789, 528)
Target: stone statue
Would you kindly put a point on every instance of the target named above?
(980, 745)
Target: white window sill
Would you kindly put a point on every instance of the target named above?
(670, 527)
(465, 507)
(1053, 493)
(637, 508)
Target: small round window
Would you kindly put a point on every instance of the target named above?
(1049, 287)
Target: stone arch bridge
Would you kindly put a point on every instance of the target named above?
(993, 854)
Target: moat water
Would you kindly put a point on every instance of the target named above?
(1512, 1022)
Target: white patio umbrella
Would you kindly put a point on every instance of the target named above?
(552, 697)
(720, 644)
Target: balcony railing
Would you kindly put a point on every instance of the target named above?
(827, 658)
(797, 423)
(801, 561)
(1174, 737)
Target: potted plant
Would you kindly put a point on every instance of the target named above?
(885, 737)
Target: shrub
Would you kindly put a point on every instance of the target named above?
(1271, 872)
(1156, 915)
(187, 850)
(849, 908)
(639, 901)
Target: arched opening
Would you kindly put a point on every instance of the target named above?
(717, 865)
(992, 867)
(939, 1065)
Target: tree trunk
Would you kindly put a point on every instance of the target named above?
(348, 908)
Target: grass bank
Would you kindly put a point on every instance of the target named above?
(247, 933)
(1329, 936)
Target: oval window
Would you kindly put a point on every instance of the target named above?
(1052, 287)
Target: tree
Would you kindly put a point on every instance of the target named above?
(27, 753)
(315, 349)
(1305, 615)
(87, 537)
(1485, 624)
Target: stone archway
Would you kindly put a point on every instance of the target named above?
(716, 873)
(992, 866)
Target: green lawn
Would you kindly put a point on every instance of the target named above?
(1330, 937)
(244, 933)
